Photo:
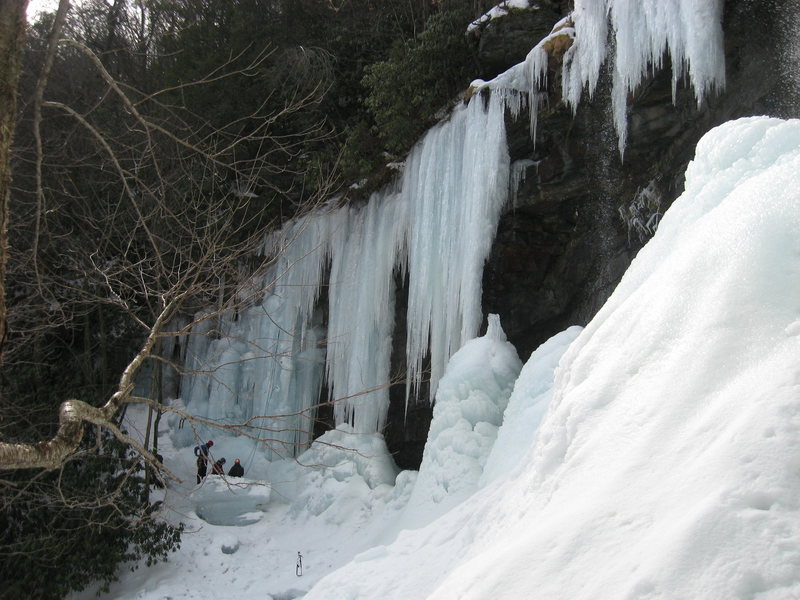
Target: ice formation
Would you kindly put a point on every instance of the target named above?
(665, 464)
(437, 224)
(651, 455)
(268, 360)
(470, 403)
(456, 182)
(644, 33)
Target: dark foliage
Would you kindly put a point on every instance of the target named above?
(419, 78)
(61, 531)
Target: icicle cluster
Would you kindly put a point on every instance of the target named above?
(644, 34)
(455, 182)
(437, 226)
(270, 355)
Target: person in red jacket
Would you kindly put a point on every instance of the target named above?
(217, 468)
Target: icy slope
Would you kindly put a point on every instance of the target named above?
(668, 463)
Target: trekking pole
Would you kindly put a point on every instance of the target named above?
(298, 570)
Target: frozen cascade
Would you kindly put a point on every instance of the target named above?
(438, 224)
(364, 254)
(644, 33)
(456, 183)
(268, 358)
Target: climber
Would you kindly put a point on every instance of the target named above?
(201, 452)
(236, 470)
(217, 468)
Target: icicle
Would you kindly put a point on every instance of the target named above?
(364, 256)
(519, 171)
(643, 31)
(456, 182)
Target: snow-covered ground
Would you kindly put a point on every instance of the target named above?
(653, 455)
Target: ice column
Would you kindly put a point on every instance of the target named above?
(455, 184)
(265, 365)
(365, 251)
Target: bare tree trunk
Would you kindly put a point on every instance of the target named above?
(12, 37)
(52, 45)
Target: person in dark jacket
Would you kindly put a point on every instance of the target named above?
(217, 468)
(201, 452)
(236, 470)
(203, 449)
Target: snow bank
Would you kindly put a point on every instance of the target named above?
(498, 11)
(666, 465)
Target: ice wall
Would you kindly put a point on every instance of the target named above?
(436, 225)
(365, 251)
(264, 356)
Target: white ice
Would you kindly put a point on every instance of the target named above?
(498, 11)
(266, 360)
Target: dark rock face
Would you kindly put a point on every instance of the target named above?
(562, 245)
(409, 417)
(506, 41)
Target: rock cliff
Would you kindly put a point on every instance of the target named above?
(581, 211)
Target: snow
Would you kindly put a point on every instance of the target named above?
(500, 10)
(651, 455)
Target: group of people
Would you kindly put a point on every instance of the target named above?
(202, 452)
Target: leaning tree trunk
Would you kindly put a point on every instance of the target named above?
(12, 38)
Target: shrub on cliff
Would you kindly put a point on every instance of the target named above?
(407, 90)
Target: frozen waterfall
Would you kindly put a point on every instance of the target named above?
(436, 225)
(636, 37)
(268, 361)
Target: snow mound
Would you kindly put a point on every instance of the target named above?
(228, 543)
(532, 393)
(667, 463)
